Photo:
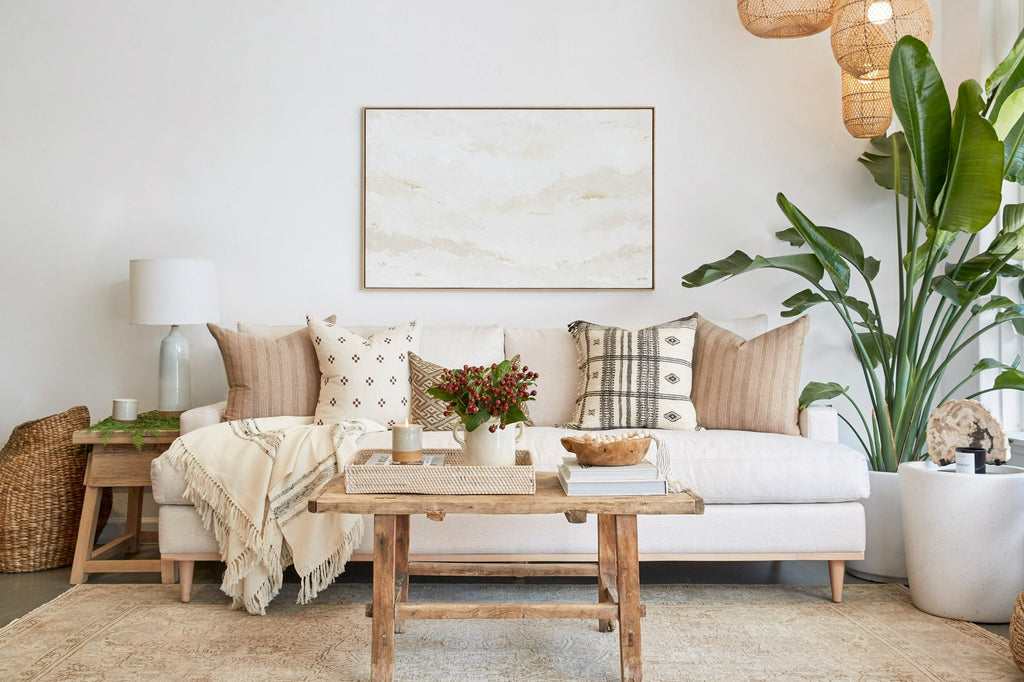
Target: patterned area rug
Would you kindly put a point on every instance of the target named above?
(692, 632)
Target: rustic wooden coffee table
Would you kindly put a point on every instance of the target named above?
(617, 569)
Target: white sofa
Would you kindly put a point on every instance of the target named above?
(767, 496)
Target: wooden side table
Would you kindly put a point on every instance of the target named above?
(117, 464)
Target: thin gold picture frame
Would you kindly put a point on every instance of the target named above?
(389, 272)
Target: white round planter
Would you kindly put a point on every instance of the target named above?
(965, 540)
(884, 556)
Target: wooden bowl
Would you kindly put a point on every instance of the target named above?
(616, 453)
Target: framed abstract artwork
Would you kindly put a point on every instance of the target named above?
(518, 198)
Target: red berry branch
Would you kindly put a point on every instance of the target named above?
(479, 394)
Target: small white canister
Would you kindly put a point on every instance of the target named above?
(125, 410)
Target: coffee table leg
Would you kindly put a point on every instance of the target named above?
(628, 579)
(401, 564)
(606, 570)
(382, 651)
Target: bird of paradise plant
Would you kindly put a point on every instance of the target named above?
(946, 170)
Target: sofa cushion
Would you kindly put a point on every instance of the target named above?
(268, 377)
(429, 411)
(723, 467)
(751, 385)
(365, 377)
(634, 378)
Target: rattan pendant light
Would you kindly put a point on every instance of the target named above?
(867, 108)
(785, 18)
(865, 31)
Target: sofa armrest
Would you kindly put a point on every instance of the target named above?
(820, 422)
(199, 417)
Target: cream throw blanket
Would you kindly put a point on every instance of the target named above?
(250, 480)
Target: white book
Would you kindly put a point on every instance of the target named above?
(656, 486)
(643, 471)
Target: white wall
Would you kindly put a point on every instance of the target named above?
(231, 130)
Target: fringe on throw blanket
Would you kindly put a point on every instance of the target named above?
(250, 481)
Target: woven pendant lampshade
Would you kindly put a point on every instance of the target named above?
(865, 31)
(867, 108)
(785, 18)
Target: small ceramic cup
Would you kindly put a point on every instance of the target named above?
(125, 409)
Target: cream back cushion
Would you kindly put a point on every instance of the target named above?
(748, 385)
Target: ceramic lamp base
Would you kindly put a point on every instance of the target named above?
(175, 392)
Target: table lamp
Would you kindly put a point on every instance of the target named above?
(173, 291)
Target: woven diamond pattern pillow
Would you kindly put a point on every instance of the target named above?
(634, 378)
(363, 377)
(429, 411)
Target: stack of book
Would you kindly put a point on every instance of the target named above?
(634, 479)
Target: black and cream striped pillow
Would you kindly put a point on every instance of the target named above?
(635, 378)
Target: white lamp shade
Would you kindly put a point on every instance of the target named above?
(165, 291)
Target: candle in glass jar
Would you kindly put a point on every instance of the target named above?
(406, 443)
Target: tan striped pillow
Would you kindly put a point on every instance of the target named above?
(748, 385)
(268, 377)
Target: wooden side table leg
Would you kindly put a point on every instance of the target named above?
(401, 564)
(86, 533)
(382, 653)
(606, 569)
(628, 579)
(133, 517)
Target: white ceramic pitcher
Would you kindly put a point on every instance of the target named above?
(484, 448)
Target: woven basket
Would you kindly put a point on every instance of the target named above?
(41, 492)
(1017, 631)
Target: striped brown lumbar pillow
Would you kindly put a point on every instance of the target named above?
(748, 385)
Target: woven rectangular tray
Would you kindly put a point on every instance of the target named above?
(452, 478)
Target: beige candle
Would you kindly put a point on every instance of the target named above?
(406, 443)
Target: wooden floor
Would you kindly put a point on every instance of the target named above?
(20, 593)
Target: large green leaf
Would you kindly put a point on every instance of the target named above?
(994, 303)
(1007, 78)
(817, 390)
(1013, 153)
(804, 264)
(1010, 378)
(974, 185)
(950, 290)
(800, 302)
(733, 264)
(877, 354)
(882, 166)
(816, 240)
(790, 236)
(1013, 314)
(1013, 219)
(945, 242)
(845, 243)
(920, 101)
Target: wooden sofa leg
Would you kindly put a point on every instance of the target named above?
(185, 570)
(836, 570)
